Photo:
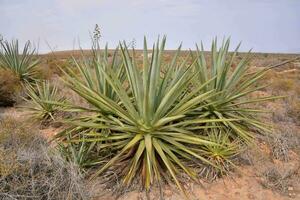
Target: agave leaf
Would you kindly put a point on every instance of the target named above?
(132, 142)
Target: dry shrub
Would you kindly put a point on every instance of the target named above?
(282, 84)
(277, 181)
(280, 147)
(52, 65)
(294, 110)
(9, 87)
(44, 72)
(30, 169)
(48, 67)
(288, 132)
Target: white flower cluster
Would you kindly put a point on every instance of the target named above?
(96, 33)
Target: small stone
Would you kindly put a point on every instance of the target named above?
(251, 196)
(132, 196)
(168, 193)
(292, 195)
(290, 188)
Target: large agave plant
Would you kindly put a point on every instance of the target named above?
(143, 125)
(233, 86)
(22, 63)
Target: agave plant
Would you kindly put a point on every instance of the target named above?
(221, 155)
(233, 85)
(39, 98)
(23, 63)
(88, 71)
(143, 124)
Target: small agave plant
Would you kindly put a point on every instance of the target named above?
(221, 155)
(40, 98)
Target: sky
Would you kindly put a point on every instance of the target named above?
(263, 25)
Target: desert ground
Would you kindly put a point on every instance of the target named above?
(267, 169)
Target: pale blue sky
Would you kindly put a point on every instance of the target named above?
(264, 25)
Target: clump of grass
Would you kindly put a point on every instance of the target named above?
(22, 62)
(41, 99)
(9, 87)
(30, 169)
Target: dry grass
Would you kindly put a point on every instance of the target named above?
(283, 84)
(50, 66)
(280, 147)
(278, 181)
(30, 169)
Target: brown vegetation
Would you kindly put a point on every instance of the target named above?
(9, 87)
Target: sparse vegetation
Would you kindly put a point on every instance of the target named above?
(276, 180)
